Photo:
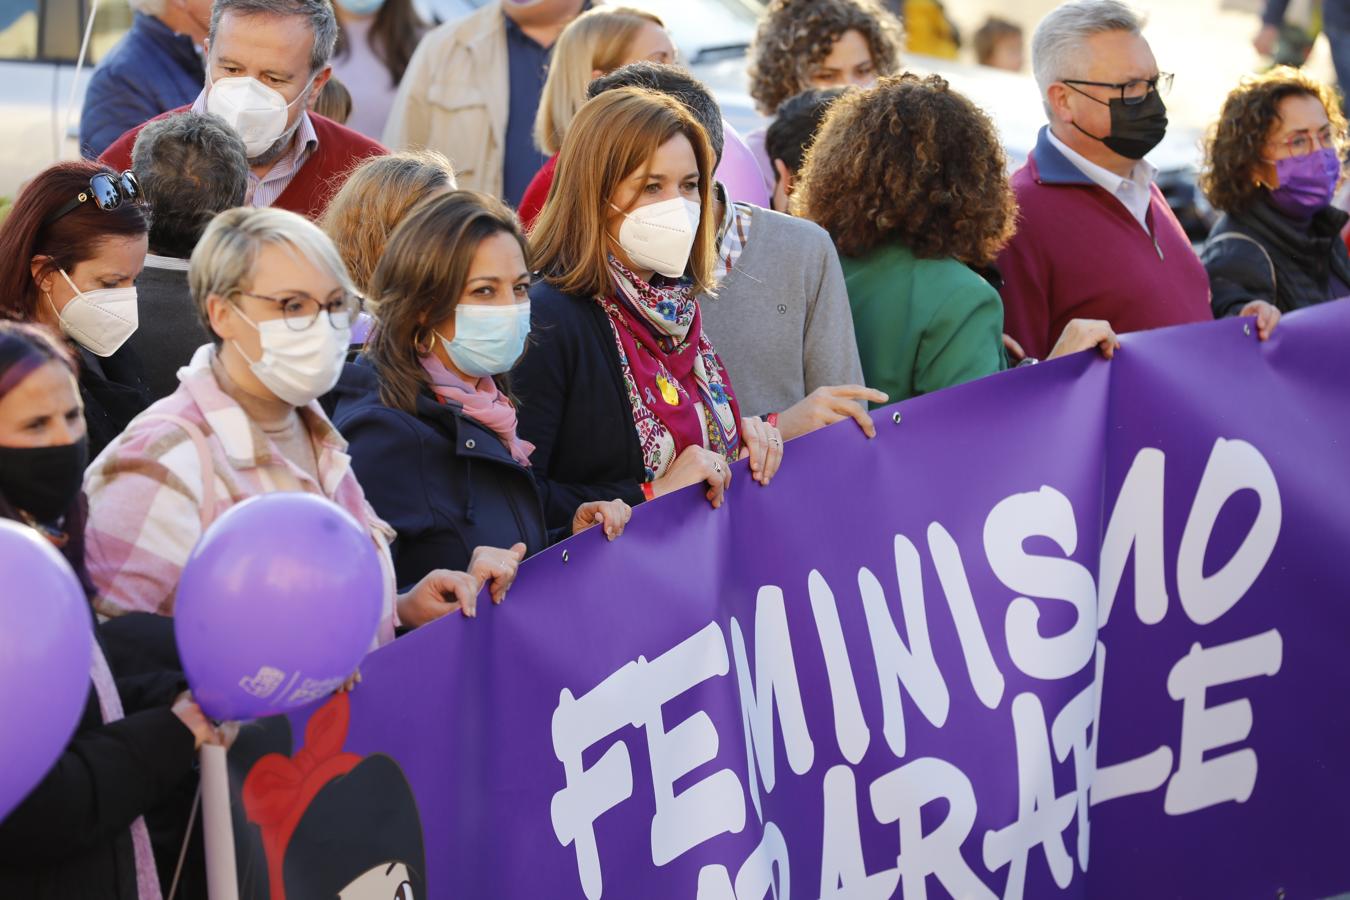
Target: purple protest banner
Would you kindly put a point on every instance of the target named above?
(1073, 630)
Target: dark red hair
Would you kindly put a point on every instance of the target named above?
(25, 348)
(69, 241)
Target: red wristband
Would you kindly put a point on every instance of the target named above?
(772, 419)
(648, 491)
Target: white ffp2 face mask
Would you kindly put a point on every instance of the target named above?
(660, 235)
(255, 112)
(99, 321)
(298, 366)
(488, 339)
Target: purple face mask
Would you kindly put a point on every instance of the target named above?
(1307, 183)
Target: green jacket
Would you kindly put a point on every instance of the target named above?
(922, 324)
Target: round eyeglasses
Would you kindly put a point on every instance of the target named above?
(300, 311)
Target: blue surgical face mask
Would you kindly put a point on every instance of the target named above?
(488, 339)
(361, 7)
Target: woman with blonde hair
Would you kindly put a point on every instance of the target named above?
(376, 197)
(596, 43)
(622, 393)
(275, 297)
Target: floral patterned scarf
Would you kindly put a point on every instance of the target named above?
(671, 370)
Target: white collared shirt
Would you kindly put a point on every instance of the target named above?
(264, 191)
(1134, 192)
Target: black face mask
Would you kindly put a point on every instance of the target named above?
(43, 481)
(1135, 130)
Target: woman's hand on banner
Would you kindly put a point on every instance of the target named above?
(695, 464)
(1081, 334)
(827, 405)
(763, 444)
(613, 514)
(441, 592)
(1267, 317)
(496, 568)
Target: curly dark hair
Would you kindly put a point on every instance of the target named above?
(1250, 114)
(914, 162)
(794, 36)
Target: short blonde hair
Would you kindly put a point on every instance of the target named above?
(223, 261)
(616, 135)
(596, 40)
(377, 196)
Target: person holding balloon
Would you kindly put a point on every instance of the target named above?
(433, 436)
(80, 831)
(245, 422)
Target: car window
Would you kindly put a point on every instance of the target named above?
(19, 29)
(52, 30)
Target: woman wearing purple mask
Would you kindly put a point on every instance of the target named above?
(1274, 163)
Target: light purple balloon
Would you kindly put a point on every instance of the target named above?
(46, 646)
(277, 605)
(739, 171)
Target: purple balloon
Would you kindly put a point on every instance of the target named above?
(740, 171)
(277, 605)
(46, 646)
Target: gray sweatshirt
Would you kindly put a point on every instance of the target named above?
(780, 320)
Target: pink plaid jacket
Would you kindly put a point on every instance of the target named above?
(145, 491)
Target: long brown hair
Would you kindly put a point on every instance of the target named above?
(374, 199)
(419, 282)
(613, 136)
(393, 36)
(69, 241)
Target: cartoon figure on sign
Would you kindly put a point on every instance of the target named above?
(335, 824)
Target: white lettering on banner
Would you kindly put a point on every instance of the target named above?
(1233, 466)
(1198, 773)
(715, 804)
(912, 666)
(1046, 513)
(1041, 815)
(899, 796)
(756, 878)
(843, 874)
(980, 666)
(774, 685)
(1136, 522)
(850, 728)
(1200, 782)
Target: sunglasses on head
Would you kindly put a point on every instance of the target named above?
(106, 190)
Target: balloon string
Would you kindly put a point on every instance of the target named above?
(182, 853)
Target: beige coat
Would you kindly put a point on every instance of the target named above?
(455, 97)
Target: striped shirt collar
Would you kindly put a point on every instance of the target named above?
(264, 191)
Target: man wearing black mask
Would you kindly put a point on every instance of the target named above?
(1095, 238)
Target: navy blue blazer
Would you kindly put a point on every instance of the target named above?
(150, 71)
(574, 406)
(443, 481)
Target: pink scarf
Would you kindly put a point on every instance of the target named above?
(482, 402)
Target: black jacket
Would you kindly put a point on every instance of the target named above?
(1295, 269)
(574, 406)
(444, 482)
(70, 839)
(114, 392)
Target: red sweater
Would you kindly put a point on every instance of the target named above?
(532, 204)
(1080, 254)
(339, 151)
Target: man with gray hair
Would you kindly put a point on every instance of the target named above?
(155, 67)
(1095, 237)
(190, 167)
(266, 60)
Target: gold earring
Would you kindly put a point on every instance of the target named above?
(430, 343)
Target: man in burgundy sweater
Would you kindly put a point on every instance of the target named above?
(1095, 238)
(265, 62)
